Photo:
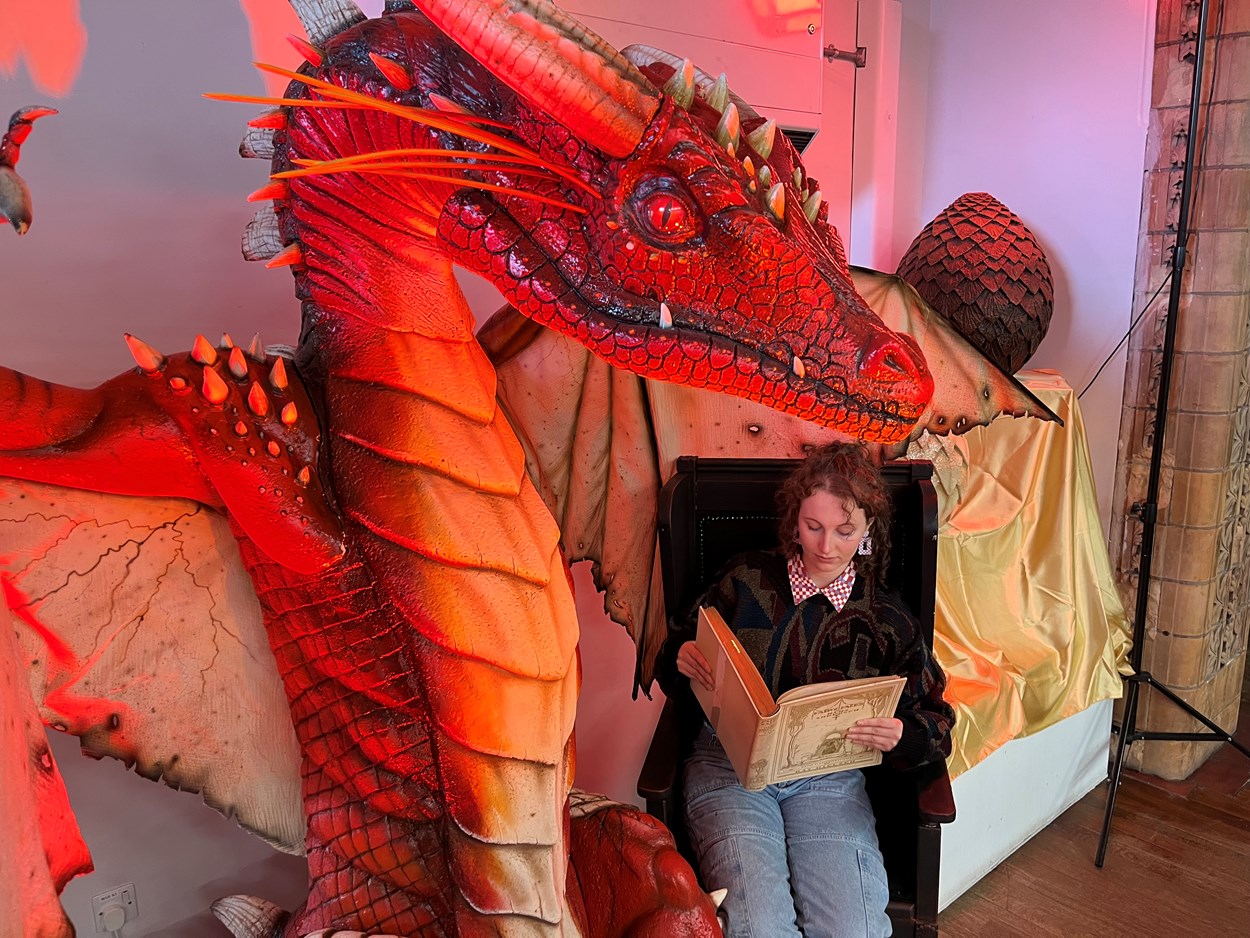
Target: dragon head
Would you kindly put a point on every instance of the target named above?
(625, 199)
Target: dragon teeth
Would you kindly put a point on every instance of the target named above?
(666, 317)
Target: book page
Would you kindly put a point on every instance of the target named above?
(811, 736)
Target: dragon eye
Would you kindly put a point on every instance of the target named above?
(666, 216)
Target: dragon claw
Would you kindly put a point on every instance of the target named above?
(14, 195)
(250, 917)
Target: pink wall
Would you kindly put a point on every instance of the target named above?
(1044, 106)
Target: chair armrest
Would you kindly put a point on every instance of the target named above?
(659, 778)
(936, 803)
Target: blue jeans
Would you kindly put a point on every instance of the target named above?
(798, 858)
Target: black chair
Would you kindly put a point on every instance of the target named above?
(712, 509)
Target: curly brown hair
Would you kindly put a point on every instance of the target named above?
(847, 471)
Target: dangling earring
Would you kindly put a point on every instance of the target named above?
(865, 545)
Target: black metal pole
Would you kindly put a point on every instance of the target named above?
(1147, 510)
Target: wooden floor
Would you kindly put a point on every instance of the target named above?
(1178, 864)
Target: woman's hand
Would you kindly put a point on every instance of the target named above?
(877, 733)
(690, 662)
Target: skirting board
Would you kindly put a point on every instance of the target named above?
(1005, 799)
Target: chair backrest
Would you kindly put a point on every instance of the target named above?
(713, 509)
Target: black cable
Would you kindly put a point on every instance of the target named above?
(1124, 338)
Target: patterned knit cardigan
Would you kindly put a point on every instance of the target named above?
(793, 645)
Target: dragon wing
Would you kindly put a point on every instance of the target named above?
(42, 849)
(601, 442)
(139, 631)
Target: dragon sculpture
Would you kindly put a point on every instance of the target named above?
(410, 575)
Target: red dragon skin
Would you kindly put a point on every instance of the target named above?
(412, 580)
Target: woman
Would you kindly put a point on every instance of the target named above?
(801, 857)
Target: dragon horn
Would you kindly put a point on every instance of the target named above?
(323, 19)
(555, 64)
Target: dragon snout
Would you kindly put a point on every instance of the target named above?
(895, 363)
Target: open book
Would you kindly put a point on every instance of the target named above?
(802, 732)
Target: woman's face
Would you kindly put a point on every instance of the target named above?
(830, 529)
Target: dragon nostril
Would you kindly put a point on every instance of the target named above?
(887, 359)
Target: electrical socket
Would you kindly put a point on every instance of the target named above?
(122, 896)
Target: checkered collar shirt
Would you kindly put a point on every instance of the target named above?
(802, 587)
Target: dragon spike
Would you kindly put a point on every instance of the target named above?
(272, 447)
(213, 388)
(257, 402)
(249, 917)
(776, 201)
(256, 349)
(303, 476)
(811, 206)
(748, 166)
(290, 255)
(323, 19)
(761, 138)
(666, 317)
(393, 72)
(203, 352)
(277, 375)
(766, 176)
(177, 384)
(149, 360)
(273, 119)
(798, 367)
(555, 64)
(728, 126)
(798, 177)
(718, 96)
(305, 48)
(261, 238)
(681, 86)
(237, 363)
(225, 341)
(289, 414)
(278, 189)
(447, 105)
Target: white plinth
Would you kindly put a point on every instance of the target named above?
(1008, 797)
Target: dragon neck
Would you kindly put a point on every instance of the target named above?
(359, 269)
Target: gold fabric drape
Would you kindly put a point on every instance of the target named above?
(1029, 626)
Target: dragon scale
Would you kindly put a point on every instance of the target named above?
(364, 654)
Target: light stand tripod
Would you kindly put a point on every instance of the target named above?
(1147, 510)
